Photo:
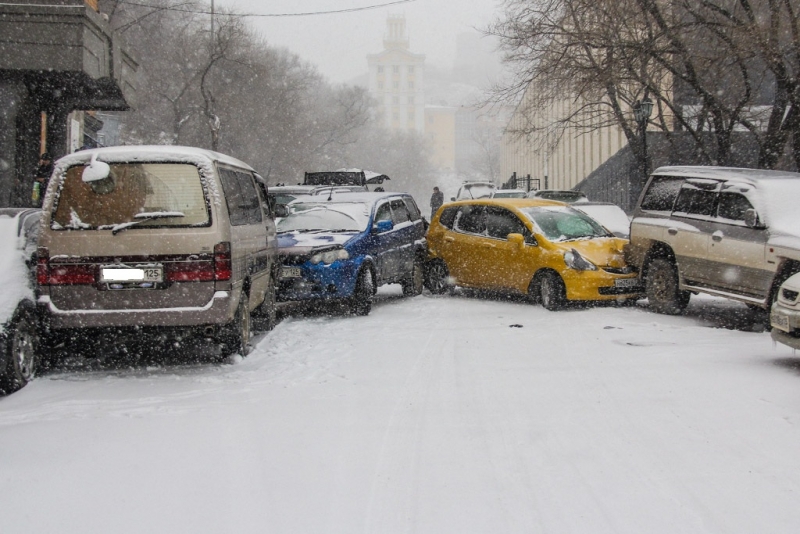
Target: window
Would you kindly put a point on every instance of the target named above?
(410, 85)
(380, 85)
(697, 198)
(399, 212)
(447, 217)
(395, 117)
(411, 116)
(396, 85)
(380, 69)
(411, 69)
(471, 220)
(661, 194)
(501, 222)
(396, 69)
(395, 100)
(411, 100)
(733, 206)
(241, 197)
(413, 210)
(383, 213)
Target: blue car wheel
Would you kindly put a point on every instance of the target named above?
(361, 302)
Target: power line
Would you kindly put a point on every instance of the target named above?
(310, 13)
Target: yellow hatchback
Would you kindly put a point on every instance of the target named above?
(541, 248)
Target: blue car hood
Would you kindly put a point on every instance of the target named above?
(311, 241)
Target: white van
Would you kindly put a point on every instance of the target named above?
(172, 239)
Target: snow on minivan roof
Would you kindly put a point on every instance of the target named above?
(150, 154)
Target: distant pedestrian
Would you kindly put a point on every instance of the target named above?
(41, 179)
(437, 199)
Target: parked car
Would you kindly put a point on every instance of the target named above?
(509, 193)
(342, 249)
(728, 232)
(282, 195)
(561, 195)
(611, 216)
(18, 333)
(473, 190)
(785, 314)
(155, 238)
(541, 248)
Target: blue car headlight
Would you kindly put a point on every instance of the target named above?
(329, 256)
(574, 260)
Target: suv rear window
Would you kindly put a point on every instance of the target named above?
(661, 194)
(170, 192)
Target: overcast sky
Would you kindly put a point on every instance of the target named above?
(338, 43)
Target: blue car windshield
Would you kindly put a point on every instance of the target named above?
(562, 223)
(331, 217)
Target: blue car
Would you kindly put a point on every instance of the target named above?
(343, 246)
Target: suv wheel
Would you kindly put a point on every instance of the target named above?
(437, 277)
(662, 290)
(22, 346)
(361, 302)
(412, 285)
(552, 292)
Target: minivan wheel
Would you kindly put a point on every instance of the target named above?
(268, 311)
(662, 289)
(438, 277)
(412, 286)
(361, 301)
(237, 338)
(22, 348)
(552, 293)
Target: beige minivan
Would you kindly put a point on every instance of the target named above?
(172, 239)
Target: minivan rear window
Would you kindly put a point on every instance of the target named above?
(149, 194)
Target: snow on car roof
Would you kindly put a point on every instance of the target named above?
(150, 153)
(726, 173)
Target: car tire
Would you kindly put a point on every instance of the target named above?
(662, 289)
(437, 277)
(237, 338)
(412, 286)
(268, 310)
(22, 350)
(552, 292)
(361, 301)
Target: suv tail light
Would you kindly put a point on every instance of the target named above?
(42, 266)
(223, 266)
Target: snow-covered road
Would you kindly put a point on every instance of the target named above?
(432, 415)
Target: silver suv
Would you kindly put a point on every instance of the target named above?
(728, 232)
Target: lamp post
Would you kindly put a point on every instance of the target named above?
(641, 113)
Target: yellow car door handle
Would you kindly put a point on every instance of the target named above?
(449, 239)
(489, 245)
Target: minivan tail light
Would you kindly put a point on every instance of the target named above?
(223, 266)
(72, 274)
(42, 266)
(190, 271)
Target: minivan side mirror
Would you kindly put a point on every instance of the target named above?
(452, 199)
(752, 220)
(281, 210)
(382, 226)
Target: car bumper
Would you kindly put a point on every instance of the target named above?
(601, 285)
(785, 325)
(218, 311)
(319, 282)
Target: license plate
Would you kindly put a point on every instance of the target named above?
(290, 272)
(627, 282)
(779, 321)
(135, 274)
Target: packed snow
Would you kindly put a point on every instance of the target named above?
(438, 414)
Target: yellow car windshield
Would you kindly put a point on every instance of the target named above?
(562, 223)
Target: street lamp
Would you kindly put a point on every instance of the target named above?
(641, 113)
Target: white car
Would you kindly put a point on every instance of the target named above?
(785, 314)
(474, 190)
(510, 193)
(611, 216)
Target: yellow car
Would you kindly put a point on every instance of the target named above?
(541, 248)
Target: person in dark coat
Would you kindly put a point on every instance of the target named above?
(437, 199)
(42, 177)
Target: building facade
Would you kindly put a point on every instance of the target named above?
(397, 80)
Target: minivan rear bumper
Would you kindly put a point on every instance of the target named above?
(217, 311)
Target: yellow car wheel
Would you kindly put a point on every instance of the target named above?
(552, 292)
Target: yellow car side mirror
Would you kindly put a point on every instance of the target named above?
(516, 239)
